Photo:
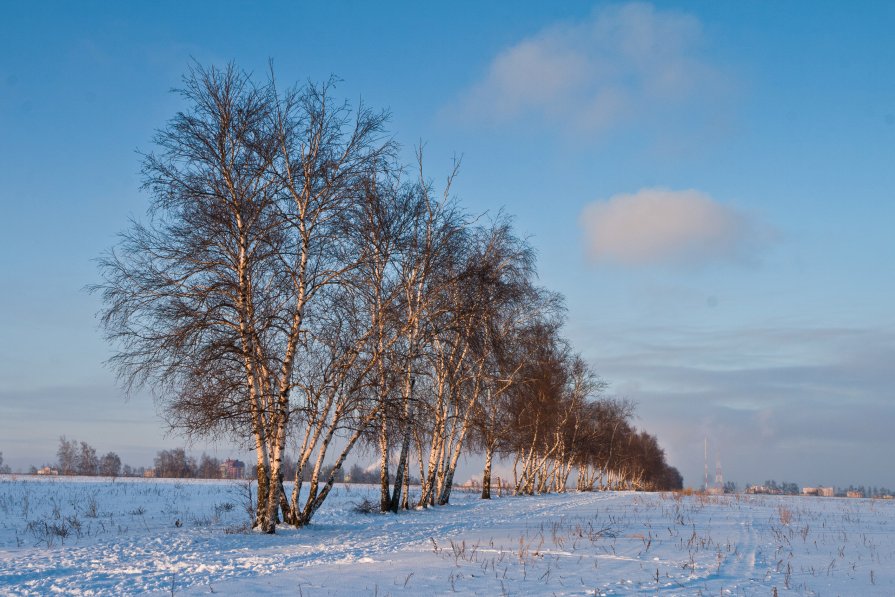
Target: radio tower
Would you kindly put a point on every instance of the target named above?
(705, 485)
(719, 476)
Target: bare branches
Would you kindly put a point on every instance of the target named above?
(290, 282)
(251, 192)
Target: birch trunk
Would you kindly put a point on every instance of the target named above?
(486, 473)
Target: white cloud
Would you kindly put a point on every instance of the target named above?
(656, 226)
(624, 61)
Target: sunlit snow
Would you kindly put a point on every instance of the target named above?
(81, 536)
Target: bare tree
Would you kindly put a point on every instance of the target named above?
(110, 465)
(539, 412)
(67, 456)
(331, 398)
(484, 276)
(411, 234)
(179, 298)
(88, 463)
(207, 301)
(209, 467)
(175, 464)
(510, 331)
(607, 425)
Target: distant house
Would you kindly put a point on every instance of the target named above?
(47, 471)
(149, 473)
(233, 469)
(821, 491)
(854, 494)
(761, 489)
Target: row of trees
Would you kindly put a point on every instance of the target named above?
(296, 285)
(176, 464)
(80, 458)
(553, 421)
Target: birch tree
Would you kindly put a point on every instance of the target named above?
(206, 301)
(491, 273)
(510, 329)
(413, 235)
(326, 156)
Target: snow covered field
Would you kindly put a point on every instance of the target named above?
(129, 536)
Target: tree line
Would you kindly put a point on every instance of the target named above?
(298, 287)
(80, 458)
(791, 488)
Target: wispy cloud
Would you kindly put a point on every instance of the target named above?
(669, 227)
(623, 62)
(810, 405)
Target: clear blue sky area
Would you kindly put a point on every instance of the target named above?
(710, 184)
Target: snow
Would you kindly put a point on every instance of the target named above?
(80, 536)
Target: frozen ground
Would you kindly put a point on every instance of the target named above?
(99, 537)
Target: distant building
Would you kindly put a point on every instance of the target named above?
(233, 469)
(820, 491)
(47, 471)
(763, 490)
(149, 473)
(854, 494)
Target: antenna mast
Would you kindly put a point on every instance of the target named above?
(719, 476)
(705, 486)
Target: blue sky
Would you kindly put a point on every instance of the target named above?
(709, 184)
